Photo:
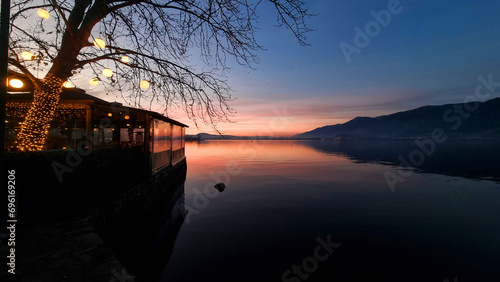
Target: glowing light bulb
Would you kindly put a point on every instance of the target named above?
(144, 84)
(107, 72)
(125, 59)
(94, 81)
(44, 14)
(68, 84)
(16, 83)
(27, 55)
(99, 43)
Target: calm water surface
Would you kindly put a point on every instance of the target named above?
(284, 197)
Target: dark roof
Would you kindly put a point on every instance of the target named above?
(80, 95)
(67, 94)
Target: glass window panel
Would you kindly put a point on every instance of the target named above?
(108, 135)
(162, 144)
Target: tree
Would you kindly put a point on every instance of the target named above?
(148, 41)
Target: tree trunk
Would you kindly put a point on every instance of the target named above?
(35, 127)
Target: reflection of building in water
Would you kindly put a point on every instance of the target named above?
(95, 122)
(171, 220)
(147, 245)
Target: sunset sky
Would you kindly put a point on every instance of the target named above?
(430, 53)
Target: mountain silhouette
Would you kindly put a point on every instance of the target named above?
(468, 121)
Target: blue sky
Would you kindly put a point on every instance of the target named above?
(430, 53)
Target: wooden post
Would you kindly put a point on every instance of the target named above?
(4, 59)
(171, 144)
(147, 144)
(88, 121)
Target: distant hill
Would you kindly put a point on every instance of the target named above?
(455, 119)
(206, 136)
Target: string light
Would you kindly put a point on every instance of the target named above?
(94, 81)
(73, 106)
(27, 55)
(44, 14)
(125, 59)
(99, 43)
(144, 84)
(16, 83)
(63, 112)
(107, 72)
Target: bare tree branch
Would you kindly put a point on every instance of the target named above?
(162, 39)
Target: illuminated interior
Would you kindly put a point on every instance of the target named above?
(80, 117)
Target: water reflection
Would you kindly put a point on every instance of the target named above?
(147, 245)
(282, 195)
(472, 159)
(286, 194)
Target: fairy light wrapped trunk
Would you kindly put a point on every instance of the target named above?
(36, 125)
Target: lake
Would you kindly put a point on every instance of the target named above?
(325, 211)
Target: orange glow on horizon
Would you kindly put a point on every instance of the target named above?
(295, 126)
(260, 117)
